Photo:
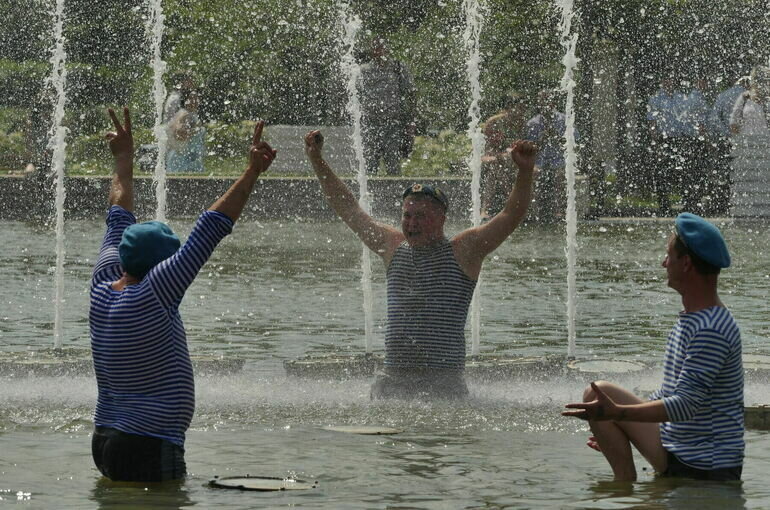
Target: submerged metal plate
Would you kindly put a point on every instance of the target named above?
(364, 429)
(261, 483)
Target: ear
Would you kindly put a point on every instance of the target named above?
(687, 263)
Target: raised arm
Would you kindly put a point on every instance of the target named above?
(473, 244)
(380, 238)
(121, 143)
(261, 155)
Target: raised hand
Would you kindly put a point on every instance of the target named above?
(601, 409)
(261, 155)
(314, 142)
(121, 140)
(524, 154)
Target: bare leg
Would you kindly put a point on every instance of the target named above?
(615, 438)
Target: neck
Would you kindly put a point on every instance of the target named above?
(125, 281)
(431, 243)
(700, 296)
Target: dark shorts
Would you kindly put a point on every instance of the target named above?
(419, 383)
(680, 470)
(123, 457)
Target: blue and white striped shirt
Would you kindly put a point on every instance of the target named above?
(428, 299)
(142, 365)
(703, 390)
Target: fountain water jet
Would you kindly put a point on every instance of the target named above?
(155, 30)
(351, 24)
(569, 43)
(58, 143)
(471, 35)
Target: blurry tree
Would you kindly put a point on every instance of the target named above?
(279, 59)
(270, 59)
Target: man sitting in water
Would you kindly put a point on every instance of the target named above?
(146, 393)
(700, 405)
(430, 278)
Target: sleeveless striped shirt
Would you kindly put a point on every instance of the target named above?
(143, 370)
(703, 390)
(428, 299)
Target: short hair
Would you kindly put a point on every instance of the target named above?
(701, 266)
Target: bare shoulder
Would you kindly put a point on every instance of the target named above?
(465, 248)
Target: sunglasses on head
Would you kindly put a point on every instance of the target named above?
(435, 193)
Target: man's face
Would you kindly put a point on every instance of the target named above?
(422, 221)
(674, 264)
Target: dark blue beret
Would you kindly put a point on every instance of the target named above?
(703, 239)
(144, 245)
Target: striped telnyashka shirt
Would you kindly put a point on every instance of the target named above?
(143, 369)
(703, 390)
(428, 299)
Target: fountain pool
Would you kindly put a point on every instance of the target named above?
(275, 291)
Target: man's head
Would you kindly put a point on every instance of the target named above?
(423, 214)
(183, 80)
(144, 245)
(379, 49)
(667, 83)
(695, 250)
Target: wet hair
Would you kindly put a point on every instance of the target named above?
(701, 266)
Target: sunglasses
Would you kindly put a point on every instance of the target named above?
(435, 193)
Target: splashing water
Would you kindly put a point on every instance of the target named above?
(351, 24)
(57, 142)
(471, 35)
(569, 42)
(155, 28)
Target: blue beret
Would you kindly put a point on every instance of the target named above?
(703, 239)
(144, 245)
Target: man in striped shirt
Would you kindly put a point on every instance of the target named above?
(146, 393)
(430, 278)
(693, 425)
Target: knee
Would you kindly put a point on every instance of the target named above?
(589, 394)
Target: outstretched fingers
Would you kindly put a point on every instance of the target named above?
(120, 129)
(258, 132)
(127, 119)
(115, 121)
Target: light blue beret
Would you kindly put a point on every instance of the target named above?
(703, 239)
(144, 245)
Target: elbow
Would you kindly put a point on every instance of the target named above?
(679, 409)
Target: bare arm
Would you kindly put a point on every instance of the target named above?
(121, 143)
(261, 155)
(604, 408)
(473, 244)
(380, 238)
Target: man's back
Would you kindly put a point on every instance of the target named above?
(142, 365)
(703, 390)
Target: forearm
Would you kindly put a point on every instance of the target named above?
(233, 201)
(649, 412)
(520, 197)
(336, 192)
(122, 187)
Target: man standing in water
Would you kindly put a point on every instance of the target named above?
(692, 426)
(146, 393)
(430, 278)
